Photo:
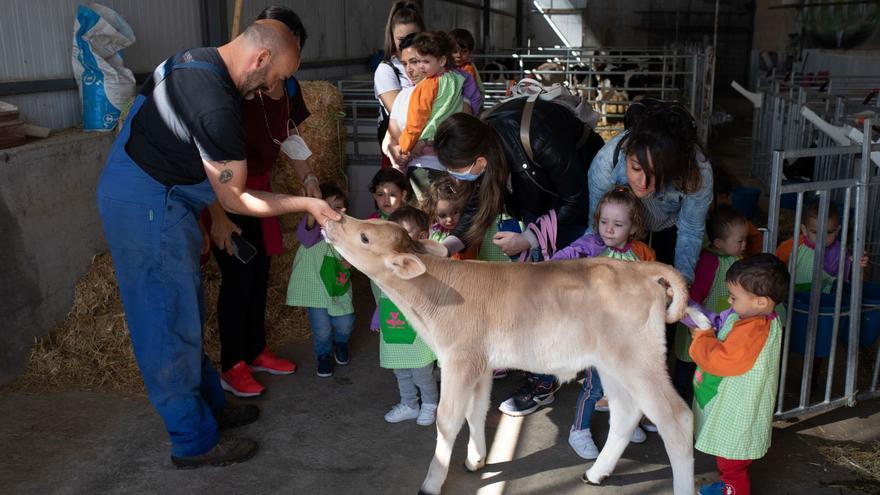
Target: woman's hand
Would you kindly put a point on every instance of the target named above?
(398, 158)
(221, 232)
(511, 243)
(311, 188)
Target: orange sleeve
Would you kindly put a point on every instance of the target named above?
(737, 354)
(470, 69)
(420, 104)
(643, 251)
(783, 252)
(754, 241)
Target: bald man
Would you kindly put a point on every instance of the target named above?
(183, 147)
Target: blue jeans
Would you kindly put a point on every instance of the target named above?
(591, 391)
(324, 326)
(154, 239)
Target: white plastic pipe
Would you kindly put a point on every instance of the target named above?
(755, 98)
(842, 135)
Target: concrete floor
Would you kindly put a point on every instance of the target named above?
(327, 436)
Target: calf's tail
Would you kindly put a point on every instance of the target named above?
(675, 285)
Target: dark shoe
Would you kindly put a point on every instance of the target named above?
(340, 353)
(325, 366)
(229, 450)
(235, 416)
(529, 398)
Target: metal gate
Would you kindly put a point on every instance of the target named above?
(826, 343)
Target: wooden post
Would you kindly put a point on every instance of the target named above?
(236, 18)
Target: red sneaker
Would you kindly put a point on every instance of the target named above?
(239, 382)
(273, 364)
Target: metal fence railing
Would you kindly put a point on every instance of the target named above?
(829, 334)
(608, 78)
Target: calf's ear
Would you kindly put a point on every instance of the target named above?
(433, 247)
(404, 265)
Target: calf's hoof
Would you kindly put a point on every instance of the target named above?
(423, 492)
(585, 478)
(474, 466)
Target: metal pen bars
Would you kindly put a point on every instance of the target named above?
(604, 77)
(855, 183)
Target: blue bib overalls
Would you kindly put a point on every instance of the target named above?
(154, 239)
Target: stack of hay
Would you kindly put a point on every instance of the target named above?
(91, 347)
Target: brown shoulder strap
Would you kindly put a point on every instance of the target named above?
(525, 124)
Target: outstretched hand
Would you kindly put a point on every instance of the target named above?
(321, 211)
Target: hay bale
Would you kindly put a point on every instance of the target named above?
(91, 348)
(609, 131)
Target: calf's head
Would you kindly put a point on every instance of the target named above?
(378, 248)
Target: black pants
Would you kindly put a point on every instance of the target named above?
(663, 243)
(241, 305)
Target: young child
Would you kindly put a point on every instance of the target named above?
(444, 203)
(738, 370)
(438, 95)
(806, 246)
(728, 232)
(618, 222)
(722, 188)
(462, 46)
(390, 190)
(401, 350)
(320, 282)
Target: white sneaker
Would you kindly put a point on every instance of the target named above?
(638, 436)
(582, 443)
(427, 415)
(401, 412)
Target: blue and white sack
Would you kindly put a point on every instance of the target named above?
(105, 85)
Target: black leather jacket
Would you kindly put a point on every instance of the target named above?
(556, 180)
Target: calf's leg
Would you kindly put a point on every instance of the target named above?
(456, 394)
(624, 416)
(674, 420)
(476, 419)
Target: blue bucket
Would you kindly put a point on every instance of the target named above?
(870, 324)
(800, 317)
(745, 200)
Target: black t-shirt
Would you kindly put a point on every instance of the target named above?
(194, 114)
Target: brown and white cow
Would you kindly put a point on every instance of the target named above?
(555, 317)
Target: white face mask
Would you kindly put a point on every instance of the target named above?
(295, 147)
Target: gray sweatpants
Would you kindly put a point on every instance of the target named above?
(423, 378)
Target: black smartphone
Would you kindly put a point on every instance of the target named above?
(242, 249)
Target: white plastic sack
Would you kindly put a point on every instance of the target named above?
(105, 85)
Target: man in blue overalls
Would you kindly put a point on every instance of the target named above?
(183, 147)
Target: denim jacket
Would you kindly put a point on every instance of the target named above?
(688, 210)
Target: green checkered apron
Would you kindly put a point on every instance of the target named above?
(733, 415)
(716, 302)
(306, 289)
(488, 250)
(399, 346)
(614, 254)
(804, 271)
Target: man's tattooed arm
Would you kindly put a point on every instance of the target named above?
(225, 176)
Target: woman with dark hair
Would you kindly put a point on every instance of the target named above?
(270, 119)
(404, 18)
(525, 185)
(661, 160)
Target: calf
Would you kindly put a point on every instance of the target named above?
(557, 317)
